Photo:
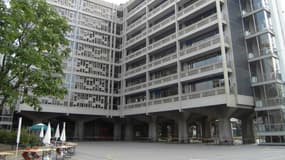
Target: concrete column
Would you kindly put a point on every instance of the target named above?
(206, 130)
(182, 130)
(79, 130)
(152, 129)
(129, 131)
(248, 136)
(225, 131)
(117, 131)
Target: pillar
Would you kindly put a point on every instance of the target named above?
(129, 131)
(225, 131)
(206, 130)
(248, 136)
(117, 131)
(152, 129)
(79, 130)
(182, 130)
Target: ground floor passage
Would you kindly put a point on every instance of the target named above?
(166, 151)
(202, 126)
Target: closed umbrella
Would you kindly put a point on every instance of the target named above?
(42, 133)
(57, 134)
(63, 136)
(47, 137)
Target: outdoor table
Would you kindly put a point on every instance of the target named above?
(3, 155)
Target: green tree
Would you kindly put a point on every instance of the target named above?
(33, 46)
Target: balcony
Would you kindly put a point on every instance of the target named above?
(204, 93)
(162, 60)
(162, 42)
(135, 105)
(198, 25)
(169, 99)
(161, 24)
(136, 22)
(137, 8)
(272, 102)
(163, 80)
(136, 38)
(136, 53)
(201, 69)
(200, 45)
(6, 120)
(194, 7)
(160, 7)
(136, 87)
(135, 70)
(267, 78)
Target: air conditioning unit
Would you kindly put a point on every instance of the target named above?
(253, 79)
(258, 103)
(250, 55)
(247, 33)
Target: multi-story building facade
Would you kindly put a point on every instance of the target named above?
(175, 70)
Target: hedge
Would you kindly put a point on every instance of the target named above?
(26, 139)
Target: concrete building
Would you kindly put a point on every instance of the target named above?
(173, 70)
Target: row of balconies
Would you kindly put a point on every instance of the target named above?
(174, 77)
(182, 33)
(175, 98)
(188, 10)
(196, 47)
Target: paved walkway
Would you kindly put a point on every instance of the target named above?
(163, 151)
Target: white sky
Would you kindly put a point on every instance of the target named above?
(117, 1)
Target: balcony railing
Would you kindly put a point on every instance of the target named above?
(136, 9)
(136, 87)
(270, 102)
(170, 99)
(272, 127)
(135, 105)
(162, 60)
(201, 69)
(161, 7)
(6, 120)
(192, 7)
(135, 70)
(163, 79)
(136, 22)
(137, 37)
(204, 93)
(267, 77)
(200, 45)
(162, 41)
(136, 53)
(198, 25)
(161, 24)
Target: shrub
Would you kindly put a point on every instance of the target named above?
(26, 139)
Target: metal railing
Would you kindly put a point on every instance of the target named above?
(270, 102)
(136, 53)
(204, 93)
(162, 41)
(200, 45)
(136, 9)
(6, 120)
(198, 25)
(201, 69)
(192, 7)
(161, 24)
(163, 79)
(169, 99)
(136, 87)
(135, 70)
(274, 127)
(159, 8)
(135, 105)
(162, 60)
(137, 37)
(136, 22)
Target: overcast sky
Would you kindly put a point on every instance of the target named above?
(117, 1)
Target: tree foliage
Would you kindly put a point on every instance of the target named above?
(33, 47)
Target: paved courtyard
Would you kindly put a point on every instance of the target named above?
(163, 151)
